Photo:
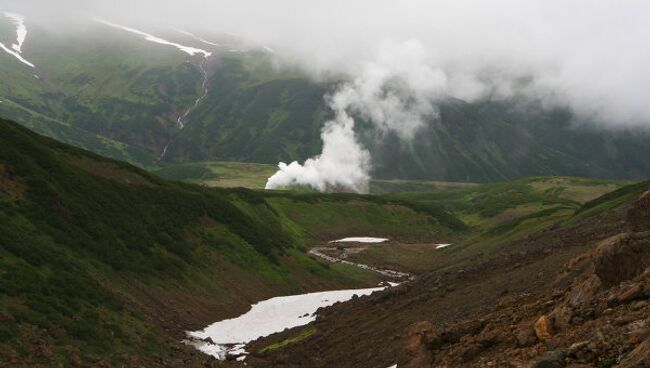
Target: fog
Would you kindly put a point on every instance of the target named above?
(591, 55)
(400, 57)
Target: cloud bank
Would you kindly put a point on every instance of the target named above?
(399, 58)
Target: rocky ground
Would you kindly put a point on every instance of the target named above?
(566, 297)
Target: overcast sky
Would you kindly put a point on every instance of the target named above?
(591, 55)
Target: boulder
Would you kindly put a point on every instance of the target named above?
(622, 257)
(544, 328)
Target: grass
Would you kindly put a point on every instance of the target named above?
(304, 333)
(219, 173)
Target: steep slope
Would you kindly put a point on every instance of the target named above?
(102, 263)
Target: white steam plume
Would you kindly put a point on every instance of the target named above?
(393, 93)
(343, 164)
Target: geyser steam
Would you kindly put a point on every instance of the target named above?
(342, 164)
(393, 93)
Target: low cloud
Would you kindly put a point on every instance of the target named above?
(400, 58)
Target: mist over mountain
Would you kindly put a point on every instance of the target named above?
(397, 64)
(578, 54)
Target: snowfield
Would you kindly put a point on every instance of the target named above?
(149, 37)
(21, 34)
(265, 318)
(360, 239)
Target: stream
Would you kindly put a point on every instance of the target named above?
(182, 119)
(346, 251)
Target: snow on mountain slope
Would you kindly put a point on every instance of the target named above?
(186, 49)
(21, 30)
(21, 33)
(200, 39)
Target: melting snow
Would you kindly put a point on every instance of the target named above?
(360, 240)
(440, 246)
(186, 49)
(200, 39)
(21, 33)
(265, 318)
(21, 30)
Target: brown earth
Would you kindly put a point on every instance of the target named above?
(588, 284)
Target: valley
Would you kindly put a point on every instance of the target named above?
(311, 185)
(258, 249)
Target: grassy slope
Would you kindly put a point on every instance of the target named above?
(219, 173)
(101, 86)
(100, 259)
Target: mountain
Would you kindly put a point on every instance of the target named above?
(103, 263)
(112, 91)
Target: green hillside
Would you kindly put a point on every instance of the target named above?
(103, 262)
(102, 90)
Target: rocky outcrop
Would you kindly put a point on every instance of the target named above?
(622, 257)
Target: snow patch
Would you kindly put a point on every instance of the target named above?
(149, 37)
(265, 318)
(360, 239)
(200, 39)
(21, 33)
